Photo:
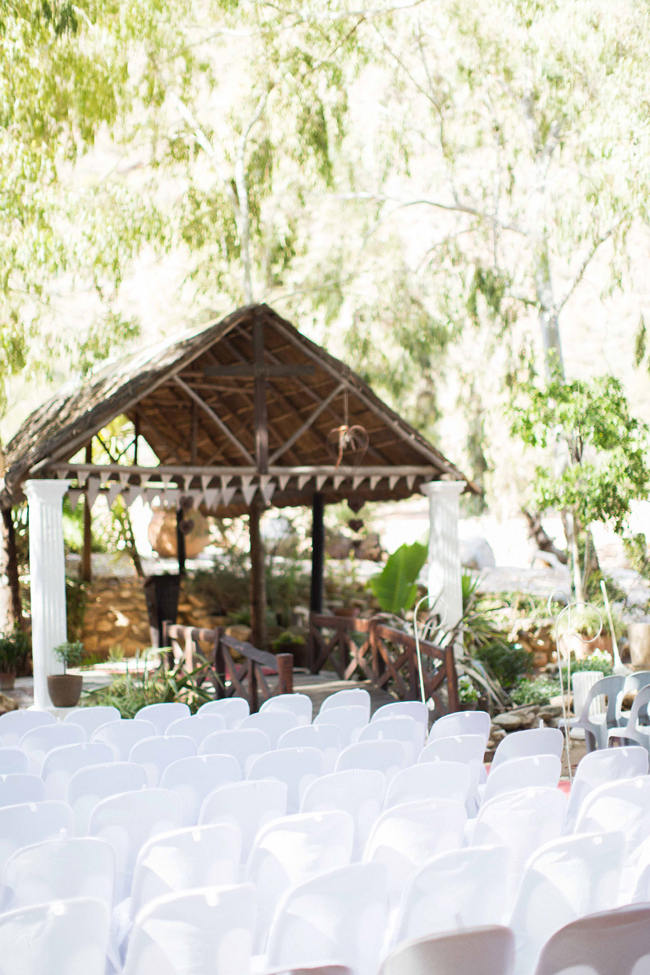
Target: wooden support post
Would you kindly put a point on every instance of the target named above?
(261, 417)
(10, 608)
(180, 541)
(86, 553)
(258, 579)
(317, 553)
(285, 672)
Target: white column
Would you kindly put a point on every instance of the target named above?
(47, 580)
(444, 571)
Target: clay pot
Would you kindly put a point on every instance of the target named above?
(7, 680)
(64, 689)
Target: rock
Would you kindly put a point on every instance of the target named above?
(476, 553)
(550, 713)
(7, 704)
(508, 721)
(239, 632)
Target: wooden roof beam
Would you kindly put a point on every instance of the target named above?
(227, 432)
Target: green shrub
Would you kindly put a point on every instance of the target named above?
(537, 691)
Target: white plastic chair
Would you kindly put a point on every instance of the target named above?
(412, 709)
(429, 780)
(455, 889)
(461, 723)
(359, 792)
(297, 704)
(196, 728)
(61, 763)
(122, 735)
(636, 729)
(242, 743)
(297, 767)
(519, 773)
(205, 930)
(39, 741)
(593, 719)
(272, 723)
(90, 785)
(232, 709)
(193, 778)
(289, 850)
(161, 715)
(15, 724)
(400, 728)
(337, 914)
(600, 767)
(521, 821)
(64, 936)
(17, 787)
(92, 718)
(349, 697)
(12, 759)
(564, 880)
(155, 754)
(71, 866)
(325, 737)
(31, 822)
(349, 719)
(481, 951)
(406, 835)
(608, 943)
(248, 805)
(532, 741)
(383, 756)
(127, 820)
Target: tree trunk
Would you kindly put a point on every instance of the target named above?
(571, 528)
(548, 316)
(10, 605)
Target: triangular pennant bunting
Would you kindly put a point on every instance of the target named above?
(283, 480)
(357, 480)
(248, 490)
(374, 481)
(111, 494)
(92, 490)
(73, 497)
(410, 481)
(392, 480)
(268, 489)
(227, 494)
(320, 480)
(304, 479)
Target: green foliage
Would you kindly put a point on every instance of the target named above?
(14, 651)
(395, 586)
(467, 692)
(537, 691)
(70, 653)
(636, 550)
(130, 693)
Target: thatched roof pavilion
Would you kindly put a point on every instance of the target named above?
(243, 414)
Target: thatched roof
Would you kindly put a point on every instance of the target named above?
(198, 404)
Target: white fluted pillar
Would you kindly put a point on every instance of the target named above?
(444, 569)
(47, 580)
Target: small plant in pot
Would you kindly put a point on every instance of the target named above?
(65, 689)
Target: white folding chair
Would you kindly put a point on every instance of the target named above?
(461, 723)
(406, 835)
(337, 914)
(297, 704)
(67, 936)
(193, 778)
(55, 869)
(122, 735)
(468, 749)
(90, 785)
(196, 728)
(400, 728)
(31, 822)
(348, 718)
(289, 850)
(92, 718)
(161, 715)
(429, 780)
(61, 763)
(532, 741)
(383, 756)
(519, 773)
(412, 709)
(12, 759)
(600, 767)
(232, 709)
(455, 889)
(325, 737)
(15, 724)
(39, 741)
(242, 743)
(564, 880)
(350, 697)
(297, 767)
(594, 719)
(272, 723)
(482, 951)
(156, 753)
(607, 943)
(359, 792)
(208, 929)
(127, 820)
(248, 805)
(17, 787)
(636, 729)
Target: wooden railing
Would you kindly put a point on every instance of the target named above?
(371, 650)
(233, 667)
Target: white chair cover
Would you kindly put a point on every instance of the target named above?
(15, 724)
(232, 709)
(156, 753)
(31, 822)
(90, 785)
(297, 767)
(272, 723)
(161, 715)
(429, 780)
(608, 943)
(61, 764)
(122, 735)
(348, 718)
(481, 951)
(17, 787)
(197, 728)
(532, 741)
(92, 718)
(298, 704)
(242, 743)
(247, 805)
(70, 866)
(12, 759)
(518, 773)
(402, 728)
(38, 742)
(63, 936)
(383, 756)
(193, 778)
(359, 792)
(461, 723)
(600, 767)
(325, 737)
(351, 697)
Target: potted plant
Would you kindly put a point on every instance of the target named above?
(467, 693)
(65, 689)
(14, 648)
